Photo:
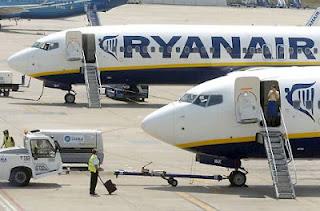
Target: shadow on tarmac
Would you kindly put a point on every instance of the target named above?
(6, 185)
(253, 191)
(85, 105)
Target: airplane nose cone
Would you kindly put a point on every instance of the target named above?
(160, 124)
(21, 61)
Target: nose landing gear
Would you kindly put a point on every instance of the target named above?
(70, 97)
(238, 178)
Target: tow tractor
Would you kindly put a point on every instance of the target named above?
(169, 177)
(38, 158)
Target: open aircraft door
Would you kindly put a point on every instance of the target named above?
(74, 45)
(247, 99)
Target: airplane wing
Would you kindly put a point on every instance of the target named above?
(93, 16)
(11, 10)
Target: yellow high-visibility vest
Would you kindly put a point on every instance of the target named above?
(8, 142)
(91, 166)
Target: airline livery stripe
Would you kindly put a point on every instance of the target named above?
(242, 140)
(164, 66)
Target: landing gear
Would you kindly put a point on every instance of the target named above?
(70, 98)
(173, 182)
(237, 178)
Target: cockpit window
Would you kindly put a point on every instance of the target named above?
(201, 100)
(215, 100)
(188, 98)
(208, 100)
(47, 46)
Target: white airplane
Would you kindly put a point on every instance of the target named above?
(228, 119)
(135, 55)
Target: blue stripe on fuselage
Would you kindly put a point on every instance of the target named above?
(301, 148)
(152, 76)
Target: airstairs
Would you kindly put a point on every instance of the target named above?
(280, 159)
(92, 81)
(92, 15)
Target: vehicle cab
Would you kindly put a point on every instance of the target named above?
(38, 158)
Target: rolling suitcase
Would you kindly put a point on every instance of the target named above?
(109, 186)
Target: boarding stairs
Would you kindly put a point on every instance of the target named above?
(280, 159)
(92, 81)
(92, 15)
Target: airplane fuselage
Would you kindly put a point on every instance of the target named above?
(205, 119)
(172, 54)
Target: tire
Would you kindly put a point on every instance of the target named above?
(20, 177)
(6, 93)
(69, 98)
(237, 178)
(173, 182)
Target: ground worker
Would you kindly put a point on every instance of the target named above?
(93, 167)
(7, 140)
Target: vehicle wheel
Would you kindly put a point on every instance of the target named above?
(237, 178)
(6, 93)
(20, 177)
(69, 98)
(173, 182)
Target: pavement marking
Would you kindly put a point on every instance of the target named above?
(10, 203)
(6, 204)
(199, 203)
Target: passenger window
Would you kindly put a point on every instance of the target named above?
(315, 50)
(215, 100)
(137, 48)
(229, 50)
(121, 49)
(211, 50)
(129, 49)
(201, 100)
(203, 50)
(244, 50)
(178, 49)
(153, 49)
(41, 148)
(186, 49)
(299, 50)
(169, 49)
(296, 104)
(309, 104)
(195, 50)
(144, 49)
(160, 49)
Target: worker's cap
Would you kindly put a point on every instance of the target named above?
(5, 132)
(94, 151)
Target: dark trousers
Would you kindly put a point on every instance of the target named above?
(93, 182)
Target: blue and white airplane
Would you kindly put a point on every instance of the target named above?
(222, 120)
(164, 54)
(45, 9)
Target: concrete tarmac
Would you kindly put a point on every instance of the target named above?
(126, 145)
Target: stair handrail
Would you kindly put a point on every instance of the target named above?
(98, 71)
(289, 150)
(85, 73)
(274, 178)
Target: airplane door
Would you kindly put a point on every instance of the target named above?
(89, 47)
(247, 99)
(74, 45)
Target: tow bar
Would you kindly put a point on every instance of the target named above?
(170, 177)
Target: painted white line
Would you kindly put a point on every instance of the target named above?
(8, 206)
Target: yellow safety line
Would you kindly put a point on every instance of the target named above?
(199, 203)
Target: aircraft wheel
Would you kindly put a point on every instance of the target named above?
(69, 98)
(173, 182)
(6, 93)
(237, 178)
